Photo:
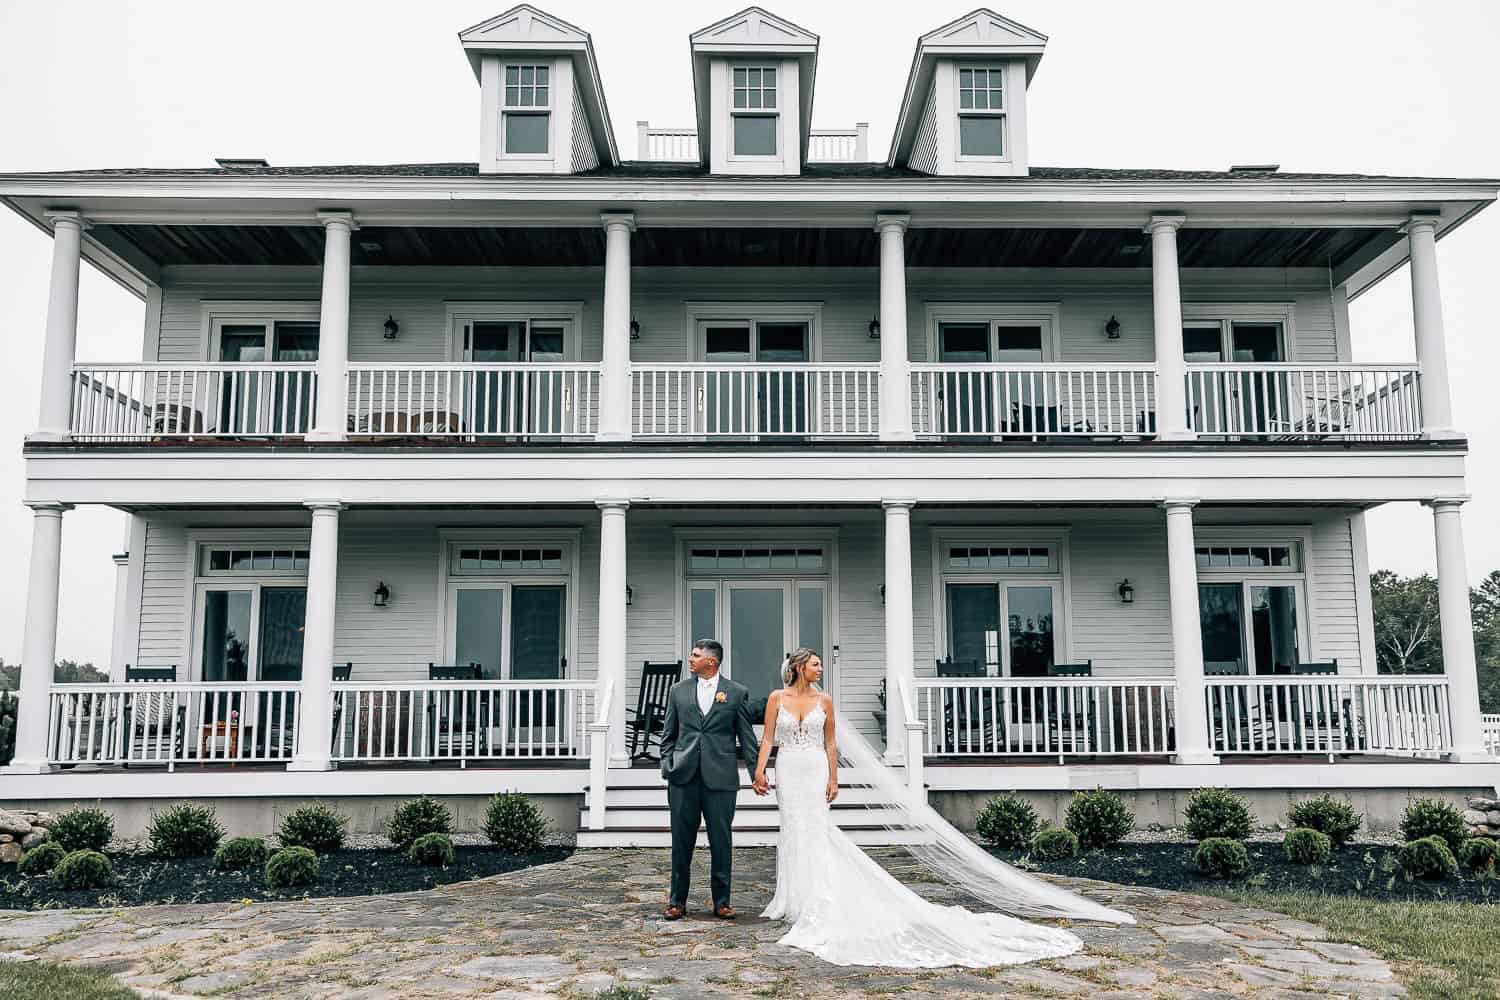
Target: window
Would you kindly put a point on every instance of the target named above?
(981, 401)
(1002, 604)
(526, 118)
(754, 87)
(981, 111)
(1246, 557)
(754, 559)
(225, 561)
(258, 336)
(754, 119)
(1207, 341)
(250, 612)
(1250, 607)
(470, 560)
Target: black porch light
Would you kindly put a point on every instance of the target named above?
(1112, 329)
(874, 328)
(391, 328)
(382, 594)
(1127, 592)
(635, 329)
(629, 595)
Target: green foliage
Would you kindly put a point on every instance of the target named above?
(1307, 847)
(1479, 854)
(515, 824)
(1099, 818)
(1220, 857)
(41, 859)
(1434, 818)
(1007, 821)
(1217, 812)
(9, 705)
(316, 827)
(42, 980)
(63, 672)
(1329, 815)
(241, 853)
(1054, 845)
(291, 866)
(83, 830)
(431, 849)
(185, 830)
(414, 818)
(1406, 623)
(1427, 857)
(83, 870)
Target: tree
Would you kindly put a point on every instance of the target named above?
(63, 672)
(1484, 600)
(1407, 638)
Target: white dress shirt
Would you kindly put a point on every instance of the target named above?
(707, 688)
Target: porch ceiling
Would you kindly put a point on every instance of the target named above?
(418, 246)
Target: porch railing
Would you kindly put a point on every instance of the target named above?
(172, 723)
(1491, 724)
(1402, 716)
(467, 401)
(1030, 400)
(135, 402)
(749, 400)
(463, 720)
(1288, 401)
(1016, 716)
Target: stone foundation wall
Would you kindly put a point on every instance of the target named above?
(1483, 815)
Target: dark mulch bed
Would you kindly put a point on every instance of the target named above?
(1368, 871)
(141, 879)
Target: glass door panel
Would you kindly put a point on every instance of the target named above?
(1023, 398)
(489, 406)
(226, 634)
(974, 625)
(283, 615)
(1273, 628)
(546, 343)
(725, 394)
(478, 628)
(811, 599)
(703, 612)
(967, 407)
(536, 633)
(1260, 406)
(1206, 405)
(783, 395)
(1029, 623)
(1221, 617)
(292, 405)
(757, 637)
(239, 391)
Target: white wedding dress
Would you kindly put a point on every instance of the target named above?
(846, 909)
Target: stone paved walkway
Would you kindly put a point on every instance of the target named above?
(590, 922)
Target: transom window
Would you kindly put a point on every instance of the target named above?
(1247, 557)
(259, 561)
(754, 87)
(526, 119)
(749, 559)
(1007, 557)
(981, 111)
(476, 560)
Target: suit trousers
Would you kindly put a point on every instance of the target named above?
(689, 803)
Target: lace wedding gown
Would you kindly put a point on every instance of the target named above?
(846, 909)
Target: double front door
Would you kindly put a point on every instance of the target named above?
(513, 631)
(517, 400)
(759, 622)
(737, 397)
(1007, 628)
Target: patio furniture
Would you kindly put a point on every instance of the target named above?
(1043, 420)
(453, 716)
(1072, 721)
(646, 720)
(152, 720)
(401, 422)
(962, 730)
(1235, 708)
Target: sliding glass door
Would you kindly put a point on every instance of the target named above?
(1007, 628)
(1251, 627)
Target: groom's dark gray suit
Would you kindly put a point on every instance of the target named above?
(698, 761)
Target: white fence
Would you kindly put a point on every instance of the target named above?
(462, 720)
(1370, 402)
(1491, 725)
(134, 402)
(752, 400)
(172, 723)
(680, 145)
(467, 401)
(1031, 400)
(1402, 716)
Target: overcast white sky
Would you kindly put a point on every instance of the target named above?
(1358, 86)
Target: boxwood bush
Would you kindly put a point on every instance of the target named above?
(432, 849)
(417, 817)
(1434, 818)
(1427, 857)
(1099, 818)
(1221, 857)
(315, 827)
(1216, 812)
(292, 866)
(83, 870)
(41, 859)
(241, 853)
(1307, 847)
(83, 830)
(1007, 821)
(184, 830)
(515, 824)
(1327, 815)
(1479, 854)
(1054, 845)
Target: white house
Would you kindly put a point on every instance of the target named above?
(1064, 470)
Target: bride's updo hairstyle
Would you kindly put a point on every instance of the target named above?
(795, 663)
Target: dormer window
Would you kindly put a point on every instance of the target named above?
(526, 110)
(755, 124)
(981, 111)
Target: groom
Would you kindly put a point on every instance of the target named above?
(705, 715)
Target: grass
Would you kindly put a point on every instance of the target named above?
(48, 981)
(1442, 951)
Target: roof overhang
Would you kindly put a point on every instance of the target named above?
(525, 30)
(752, 32)
(980, 34)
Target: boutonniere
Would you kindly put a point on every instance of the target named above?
(721, 697)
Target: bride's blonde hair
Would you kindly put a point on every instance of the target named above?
(791, 671)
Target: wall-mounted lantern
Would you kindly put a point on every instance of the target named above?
(392, 328)
(1126, 592)
(1112, 329)
(382, 594)
(635, 329)
(874, 328)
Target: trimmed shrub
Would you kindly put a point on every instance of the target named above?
(83, 870)
(1328, 815)
(514, 823)
(1479, 855)
(291, 866)
(41, 859)
(1007, 821)
(9, 707)
(1054, 845)
(83, 830)
(417, 817)
(1427, 857)
(1307, 847)
(1099, 818)
(184, 830)
(1434, 818)
(241, 853)
(1216, 812)
(431, 849)
(1220, 857)
(315, 827)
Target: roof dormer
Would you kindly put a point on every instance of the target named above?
(753, 84)
(541, 102)
(964, 110)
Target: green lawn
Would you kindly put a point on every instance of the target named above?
(47, 981)
(1442, 951)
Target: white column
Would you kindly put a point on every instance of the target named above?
(900, 654)
(612, 621)
(39, 642)
(331, 423)
(1457, 623)
(614, 380)
(315, 733)
(895, 368)
(1427, 319)
(62, 328)
(1166, 318)
(1187, 637)
(119, 644)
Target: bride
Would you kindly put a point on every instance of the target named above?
(848, 910)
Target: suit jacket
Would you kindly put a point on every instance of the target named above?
(694, 744)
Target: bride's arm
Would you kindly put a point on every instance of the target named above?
(773, 703)
(831, 745)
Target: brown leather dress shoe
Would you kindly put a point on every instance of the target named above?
(725, 912)
(674, 912)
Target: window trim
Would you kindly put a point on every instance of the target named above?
(215, 314)
(1047, 315)
(1002, 113)
(700, 315)
(457, 313)
(1226, 314)
(547, 110)
(762, 112)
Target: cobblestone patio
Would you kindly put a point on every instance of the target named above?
(590, 922)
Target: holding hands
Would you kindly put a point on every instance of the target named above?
(760, 784)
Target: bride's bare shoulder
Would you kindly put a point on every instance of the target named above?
(826, 700)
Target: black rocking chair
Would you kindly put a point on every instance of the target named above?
(453, 717)
(645, 721)
(962, 718)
